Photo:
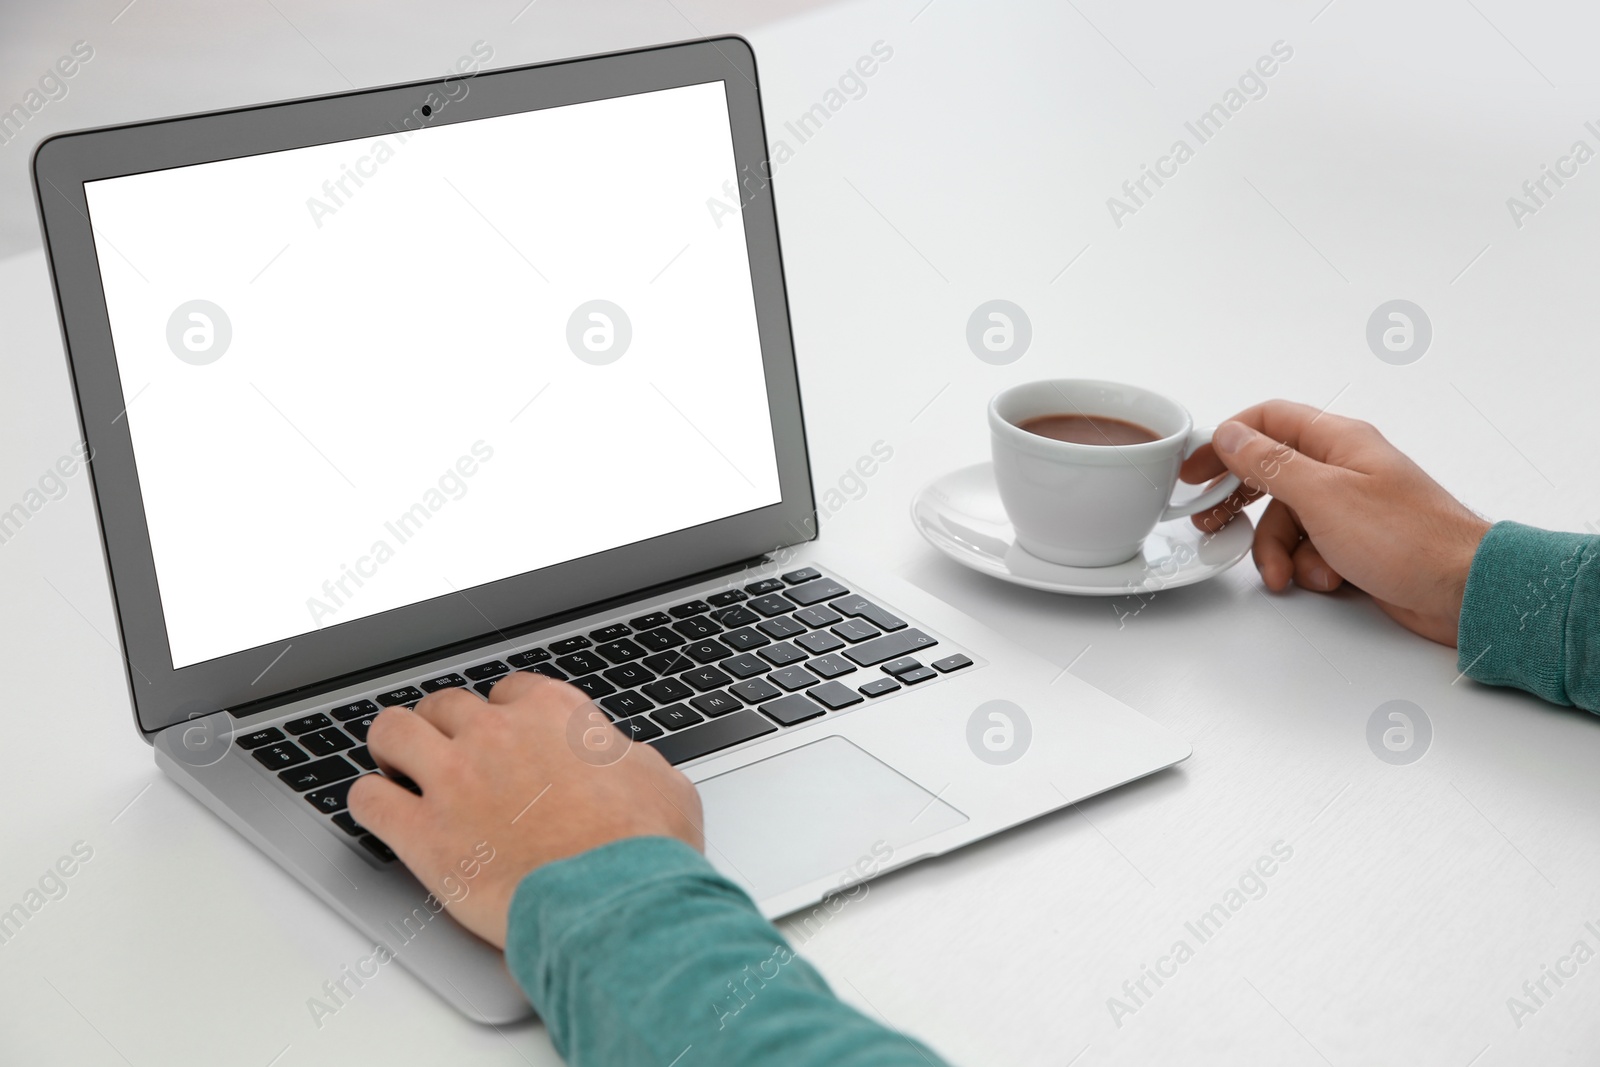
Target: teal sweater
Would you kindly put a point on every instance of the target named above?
(640, 953)
(1531, 616)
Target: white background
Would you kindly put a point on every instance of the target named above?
(373, 346)
(977, 166)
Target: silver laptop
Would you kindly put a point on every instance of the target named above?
(415, 387)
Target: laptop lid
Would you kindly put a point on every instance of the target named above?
(378, 374)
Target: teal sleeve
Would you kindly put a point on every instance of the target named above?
(1531, 614)
(639, 952)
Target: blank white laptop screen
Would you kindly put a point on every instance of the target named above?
(365, 374)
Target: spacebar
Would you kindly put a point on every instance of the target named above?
(714, 736)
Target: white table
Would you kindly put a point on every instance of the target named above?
(977, 165)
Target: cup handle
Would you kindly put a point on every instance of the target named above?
(1211, 497)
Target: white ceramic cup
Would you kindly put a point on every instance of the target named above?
(1092, 505)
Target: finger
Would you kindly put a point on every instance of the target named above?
(541, 690)
(404, 741)
(1306, 429)
(385, 809)
(1201, 466)
(1204, 466)
(450, 710)
(1216, 518)
(1311, 571)
(1277, 538)
(1264, 464)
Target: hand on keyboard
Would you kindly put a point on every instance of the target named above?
(535, 774)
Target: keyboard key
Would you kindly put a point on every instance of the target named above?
(650, 621)
(708, 651)
(668, 662)
(830, 666)
(951, 663)
(818, 641)
(406, 694)
(581, 663)
(781, 627)
(307, 724)
(693, 607)
(331, 799)
(792, 678)
(318, 773)
(595, 686)
(714, 736)
(781, 654)
(854, 630)
(921, 674)
(326, 742)
(351, 711)
(744, 666)
(660, 640)
(628, 675)
(363, 757)
(901, 665)
(640, 729)
(714, 704)
(609, 633)
(890, 646)
(745, 639)
(677, 716)
(834, 695)
(794, 708)
(493, 669)
(485, 686)
(549, 670)
(763, 587)
(523, 660)
(378, 848)
(724, 598)
(879, 686)
(804, 574)
(258, 738)
(667, 691)
(818, 617)
(731, 618)
(330, 741)
(568, 645)
(623, 705)
(699, 626)
(706, 679)
(620, 651)
(358, 727)
(282, 754)
(866, 609)
(347, 822)
(754, 690)
(445, 681)
(771, 605)
(815, 591)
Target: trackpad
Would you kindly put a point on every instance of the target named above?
(823, 810)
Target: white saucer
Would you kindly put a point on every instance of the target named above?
(960, 515)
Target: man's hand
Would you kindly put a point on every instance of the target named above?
(536, 774)
(1347, 506)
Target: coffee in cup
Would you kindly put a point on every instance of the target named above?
(1089, 429)
(1086, 469)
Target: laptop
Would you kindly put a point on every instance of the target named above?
(412, 388)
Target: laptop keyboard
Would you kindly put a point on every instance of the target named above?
(690, 679)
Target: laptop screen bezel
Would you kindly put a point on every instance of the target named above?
(295, 666)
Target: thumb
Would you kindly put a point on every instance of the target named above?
(1268, 466)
